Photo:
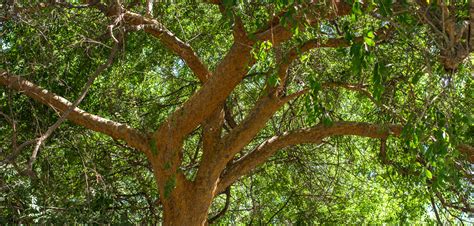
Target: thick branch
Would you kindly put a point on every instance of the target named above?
(311, 135)
(266, 106)
(263, 110)
(278, 33)
(211, 130)
(240, 136)
(76, 103)
(228, 74)
(471, 26)
(200, 107)
(293, 54)
(172, 42)
(468, 151)
(114, 129)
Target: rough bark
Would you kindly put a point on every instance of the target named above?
(185, 201)
(171, 41)
(313, 135)
(93, 122)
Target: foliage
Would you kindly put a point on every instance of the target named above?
(398, 78)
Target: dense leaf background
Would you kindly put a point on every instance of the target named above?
(86, 177)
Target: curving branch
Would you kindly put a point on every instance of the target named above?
(172, 42)
(229, 72)
(468, 151)
(227, 75)
(313, 135)
(52, 128)
(258, 117)
(224, 209)
(240, 135)
(292, 55)
(268, 105)
(169, 137)
(116, 130)
(278, 33)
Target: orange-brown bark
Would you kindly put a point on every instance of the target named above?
(313, 135)
(171, 41)
(116, 130)
(185, 201)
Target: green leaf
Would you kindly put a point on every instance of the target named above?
(377, 82)
(357, 54)
(369, 41)
(370, 34)
(416, 77)
(314, 85)
(327, 121)
(428, 174)
(356, 8)
(273, 80)
(229, 3)
(385, 7)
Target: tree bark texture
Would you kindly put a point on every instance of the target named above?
(187, 201)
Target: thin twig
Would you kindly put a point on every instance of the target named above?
(433, 204)
(42, 139)
(281, 209)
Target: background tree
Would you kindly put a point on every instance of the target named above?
(289, 111)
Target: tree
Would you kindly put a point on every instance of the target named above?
(407, 85)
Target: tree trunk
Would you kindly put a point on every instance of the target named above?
(187, 204)
(189, 209)
(184, 202)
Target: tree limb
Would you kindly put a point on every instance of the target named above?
(468, 151)
(116, 130)
(212, 165)
(278, 33)
(263, 110)
(292, 55)
(313, 135)
(42, 138)
(229, 72)
(267, 105)
(224, 209)
(180, 48)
